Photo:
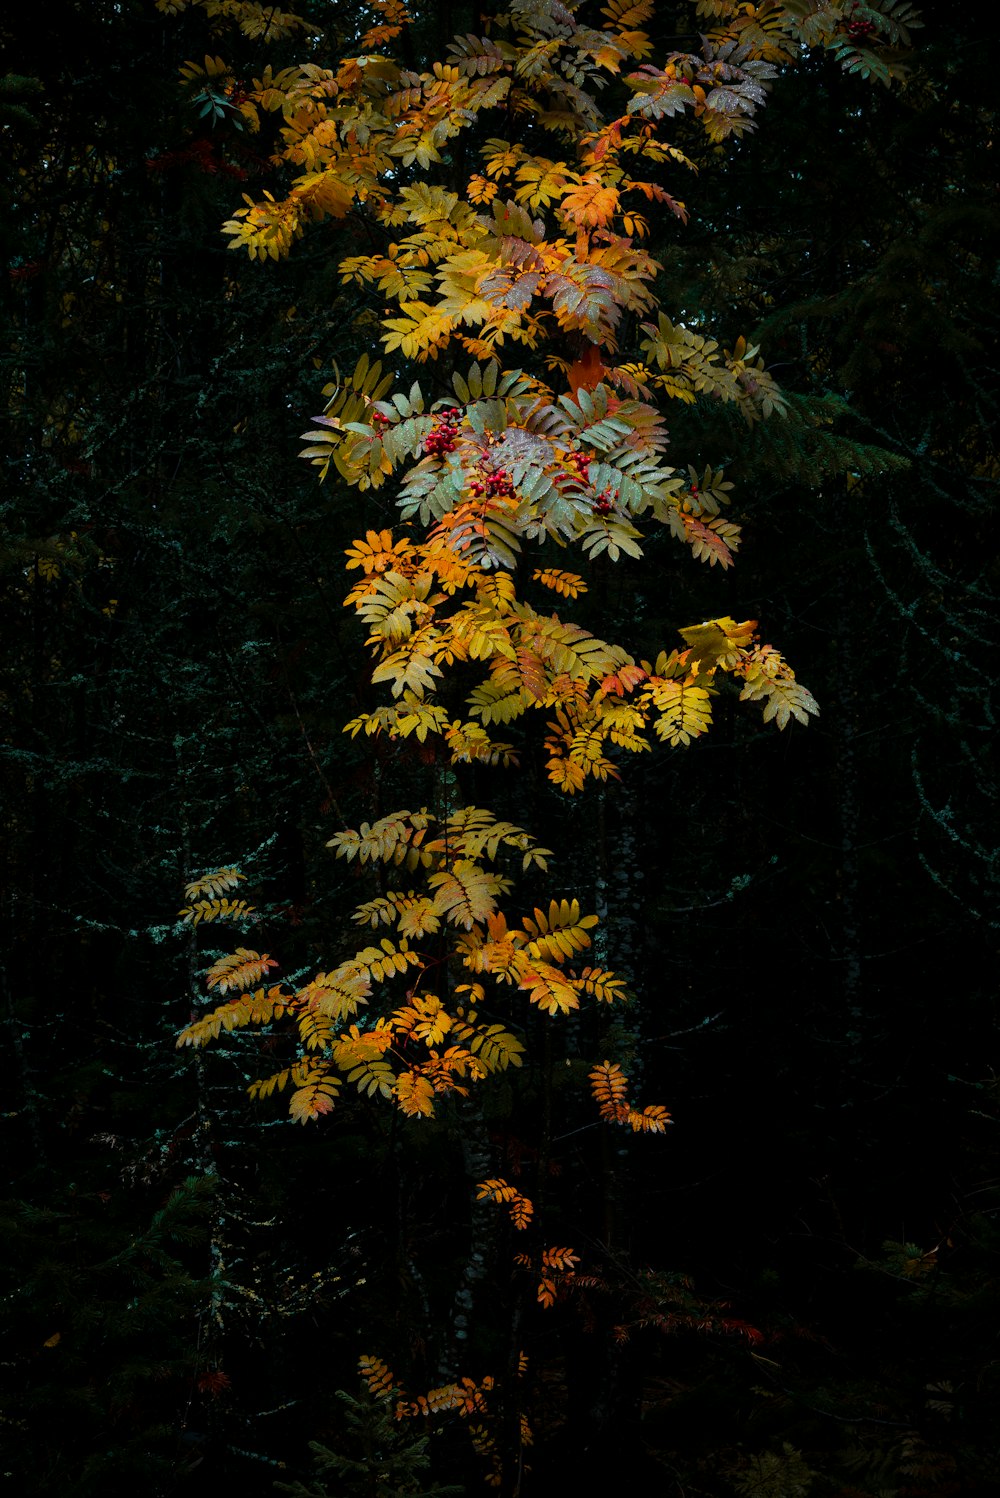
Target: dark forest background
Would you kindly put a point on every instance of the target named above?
(808, 1264)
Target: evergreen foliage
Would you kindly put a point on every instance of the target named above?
(389, 1461)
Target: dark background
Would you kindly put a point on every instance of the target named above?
(795, 1291)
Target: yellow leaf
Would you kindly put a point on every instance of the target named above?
(376, 1375)
(240, 969)
(313, 1098)
(415, 1094)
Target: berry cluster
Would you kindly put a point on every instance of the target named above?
(201, 154)
(859, 29)
(379, 421)
(604, 503)
(578, 463)
(441, 438)
(491, 482)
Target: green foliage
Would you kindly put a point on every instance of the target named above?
(16, 94)
(775, 1474)
(385, 1460)
(99, 1318)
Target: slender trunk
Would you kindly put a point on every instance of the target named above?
(204, 1141)
(848, 814)
(29, 1093)
(477, 1158)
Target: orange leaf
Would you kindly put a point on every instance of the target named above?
(591, 204)
(588, 371)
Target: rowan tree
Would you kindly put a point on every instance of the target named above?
(503, 197)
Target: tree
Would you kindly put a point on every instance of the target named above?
(387, 1463)
(543, 253)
